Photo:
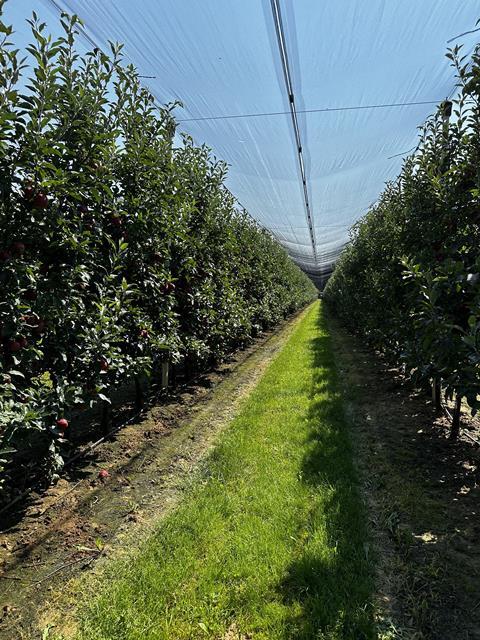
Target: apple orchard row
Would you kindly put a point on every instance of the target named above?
(118, 249)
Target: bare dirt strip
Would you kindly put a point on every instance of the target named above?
(423, 497)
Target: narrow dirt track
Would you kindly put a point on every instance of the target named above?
(422, 493)
(83, 519)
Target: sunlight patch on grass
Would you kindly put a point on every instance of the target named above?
(270, 540)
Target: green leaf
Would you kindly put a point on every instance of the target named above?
(14, 372)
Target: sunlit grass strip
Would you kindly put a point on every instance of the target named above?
(271, 539)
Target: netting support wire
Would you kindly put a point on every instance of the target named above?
(277, 19)
(83, 31)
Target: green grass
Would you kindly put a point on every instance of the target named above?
(271, 537)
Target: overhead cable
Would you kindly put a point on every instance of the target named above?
(277, 19)
(320, 110)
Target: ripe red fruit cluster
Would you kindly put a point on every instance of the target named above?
(37, 325)
(103, 474)
(36, 199)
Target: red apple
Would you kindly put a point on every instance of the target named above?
(168, 287)
(62, 424)
(14, 345)
(23, 342)
(103, 364)
(103, 474)
(39, 328)
(30, 294)
(40, 201)
(18, 248)
(29, 192)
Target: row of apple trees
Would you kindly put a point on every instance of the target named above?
(118, 250)
(409, 279)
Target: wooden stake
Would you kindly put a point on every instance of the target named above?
(164, 378)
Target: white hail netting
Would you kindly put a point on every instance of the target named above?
(223, 58)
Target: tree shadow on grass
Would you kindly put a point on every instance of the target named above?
(328, 587)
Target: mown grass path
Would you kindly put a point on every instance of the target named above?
(270, 540)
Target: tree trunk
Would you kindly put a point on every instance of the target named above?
(455, 429)
(436, 394)
(190, 368)
(106, 418)
(139, 397)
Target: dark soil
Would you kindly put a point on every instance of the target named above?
(423, 495)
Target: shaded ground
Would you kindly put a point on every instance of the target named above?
(58, 534)
(424, 501)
